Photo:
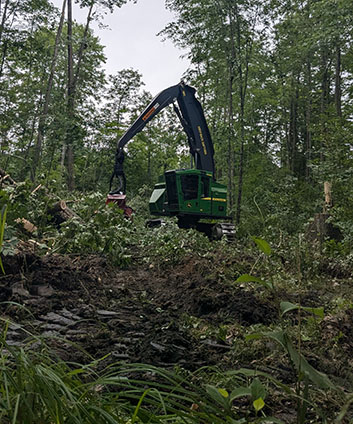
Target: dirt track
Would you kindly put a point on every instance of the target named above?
(174, 316)
(137, 315)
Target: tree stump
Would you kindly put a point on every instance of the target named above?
(319, 229)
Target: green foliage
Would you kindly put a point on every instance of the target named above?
(262, 245)
(288, 306)
(37, 387)
(265, 248)
(168, 244)
(298, 360)
(106, 231)
(254, 61)
(246, 278)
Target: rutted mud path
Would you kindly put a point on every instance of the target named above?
(137, 315)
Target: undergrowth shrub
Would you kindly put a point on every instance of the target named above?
(169, 244)
(105, 232)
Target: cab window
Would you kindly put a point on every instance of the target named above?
(190, 186)
(205, 187)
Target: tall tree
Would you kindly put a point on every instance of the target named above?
(221, 36)
(44, 113)
(73, 78)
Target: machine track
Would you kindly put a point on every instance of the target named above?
(224, 229)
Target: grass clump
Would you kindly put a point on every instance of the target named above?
(37, 387)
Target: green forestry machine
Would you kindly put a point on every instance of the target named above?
(192, 195)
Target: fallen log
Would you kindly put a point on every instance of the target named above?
(60, 212)
(26, 225)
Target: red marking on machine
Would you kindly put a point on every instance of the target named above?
(120, 200)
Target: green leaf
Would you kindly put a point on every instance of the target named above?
(288, 306)
(258, 404)
(239, 392)
(246, 278)
(217, 396)
(316, 311)
(223, 392)
(253, 336)
(300, 363)
(262, 245)
(257, 389)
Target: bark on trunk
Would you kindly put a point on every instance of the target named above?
(6, 15)
(328, 196)
(325, 91)
(72, 87)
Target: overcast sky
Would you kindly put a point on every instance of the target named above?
(131, 42)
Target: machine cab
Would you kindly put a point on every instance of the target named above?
(189, 192)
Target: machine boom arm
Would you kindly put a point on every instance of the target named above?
(192, 119)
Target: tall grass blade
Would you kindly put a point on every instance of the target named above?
(2, 230)
(16, 410)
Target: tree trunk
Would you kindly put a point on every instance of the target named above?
(243, 73)
(231, 159)
(325, 91)
(325, 84)
(83, 46)
(338, 81)
(3, 19)
(293, 126)
(44, 114)
(70, 103)
(5, 16)
(308, 135)
(72, 87)
(4, 45)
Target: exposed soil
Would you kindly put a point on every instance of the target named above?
(86, 308)
(138, 314)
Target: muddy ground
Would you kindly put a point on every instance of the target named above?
(138, 315)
